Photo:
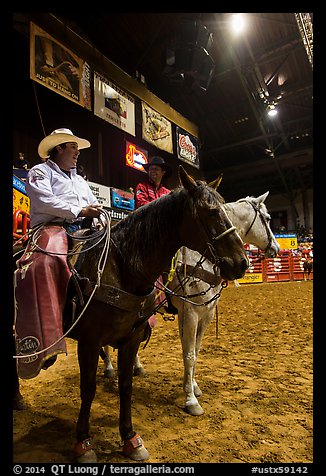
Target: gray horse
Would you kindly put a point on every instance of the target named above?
(251, 218)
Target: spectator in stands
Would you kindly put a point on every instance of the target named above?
(21, 162)
(152, 188)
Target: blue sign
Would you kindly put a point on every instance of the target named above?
(122, 199)
(19, 185)
(286, 235)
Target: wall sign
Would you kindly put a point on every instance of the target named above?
(102, 193)
(20, 199)
(122, 199)
(156, 129)
(113, 104)
(187, 147)
(288, 241)
(136, 157)
(58, 68)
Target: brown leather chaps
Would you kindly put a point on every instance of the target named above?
(40, 286)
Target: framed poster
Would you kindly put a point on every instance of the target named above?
(113, 104)
(156, 129)
(58, 68)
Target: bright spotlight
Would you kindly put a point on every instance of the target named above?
(237, 23)
(271, 110)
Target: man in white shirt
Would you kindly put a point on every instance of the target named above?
(57, 193)
(60, 199)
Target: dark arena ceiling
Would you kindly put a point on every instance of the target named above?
(224, 83)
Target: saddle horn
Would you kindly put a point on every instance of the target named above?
(216, 183)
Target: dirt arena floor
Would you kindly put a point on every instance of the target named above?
(256, 378)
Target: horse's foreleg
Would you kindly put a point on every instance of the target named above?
(188, 320)
(132, 443)
(88, 360)
(203, 322)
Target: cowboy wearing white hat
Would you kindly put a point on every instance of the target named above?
(58, 177)
(60, 199)
(57, 137)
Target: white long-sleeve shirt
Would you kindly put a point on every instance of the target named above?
(54, 195)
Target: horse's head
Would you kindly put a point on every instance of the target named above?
(257, 232)
(256, 226)
(206, 228)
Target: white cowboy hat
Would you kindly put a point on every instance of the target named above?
(57, 137)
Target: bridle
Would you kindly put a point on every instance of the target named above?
(258, 211)
(212, 239)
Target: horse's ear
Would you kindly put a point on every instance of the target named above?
(262, 198)
(186, 180)
(216, 183)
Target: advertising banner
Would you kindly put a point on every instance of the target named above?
(102, 193)
(251, 278)
(20, 200)
(136, 157)
(187, 147)
(287, 241)
(113, 104)
(156, 129)
(122, 199)
(58, 68)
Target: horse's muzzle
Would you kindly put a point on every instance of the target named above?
(272, 251)
(231, 269)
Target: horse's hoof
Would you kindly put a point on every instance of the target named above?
(88, 457)
(139, 372)
(194, 410)
(84, 451)
(135, 449)
(109, 373)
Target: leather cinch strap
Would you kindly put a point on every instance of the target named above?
(121, 299)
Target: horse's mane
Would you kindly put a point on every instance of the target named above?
(143, 228)
(148, 226)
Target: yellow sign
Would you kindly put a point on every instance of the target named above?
(287, 242)
(251, 278)
(20, 201)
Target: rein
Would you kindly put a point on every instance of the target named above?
(186, 298)
(212, 239)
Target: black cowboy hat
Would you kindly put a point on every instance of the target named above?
(156, 160)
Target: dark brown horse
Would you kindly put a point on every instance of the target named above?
(141, 248)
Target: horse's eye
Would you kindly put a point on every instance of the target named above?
(212, 213)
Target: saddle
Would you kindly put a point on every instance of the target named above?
(80, 289)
